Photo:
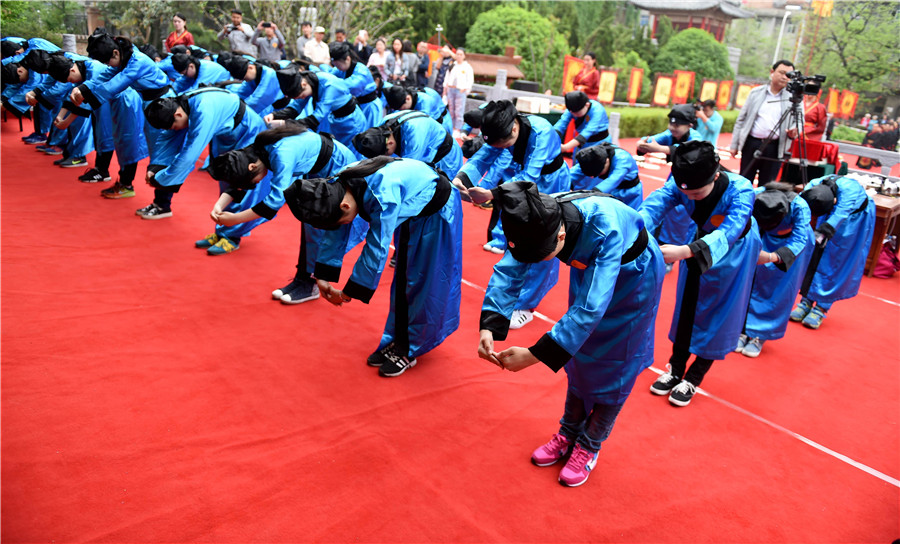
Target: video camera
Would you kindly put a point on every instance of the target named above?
(800, 85)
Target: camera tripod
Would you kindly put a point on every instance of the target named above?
(795, 111)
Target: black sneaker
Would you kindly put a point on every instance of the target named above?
(395, 364)
(60, 160)
(303, 291)
(379, 358)
(73, 162)
(153, 212)
(94, 176)
(281, 291)
(682, 393)
(664, 384)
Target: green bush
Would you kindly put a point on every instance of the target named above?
(640, 122)
(696, 51)
(848, 134)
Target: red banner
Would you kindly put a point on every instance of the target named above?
(662, 91)
(607, 92)
(833, 105)
(571, 67)
(848, 103)
(635, 81)
(708, 89)
(724, 94)
(684, 87)
(742, 92)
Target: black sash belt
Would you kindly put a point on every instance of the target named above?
(325, 153)
(239, 116)
(443, 149)
(553, 166)
(629, 183)
(443, 114)
(637, 247)
(153, 94)
(599, 136)
(701, 233)
(442, 192)
(366, 98)
(346, 109)
(862, 208)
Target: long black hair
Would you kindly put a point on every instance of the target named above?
(272, 135)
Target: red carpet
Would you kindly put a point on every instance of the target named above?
(152, 393)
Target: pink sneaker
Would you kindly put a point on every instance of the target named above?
(578, 468)
(551, 452)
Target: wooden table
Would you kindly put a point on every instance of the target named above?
(886, 211)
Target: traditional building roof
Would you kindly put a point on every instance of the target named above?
(730, 8)
(486, 66)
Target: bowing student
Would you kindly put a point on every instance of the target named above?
(428, 100)
(609, 169)
(591, 122)
(359, 80)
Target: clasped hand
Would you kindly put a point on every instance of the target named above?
(514, 358)
(332, 295)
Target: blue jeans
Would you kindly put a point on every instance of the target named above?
(589, 430)
(456, 105)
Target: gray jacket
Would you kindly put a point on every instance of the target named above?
(409, 64)
(747, 117)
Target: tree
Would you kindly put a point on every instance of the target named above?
(857, 47)
(756, 47)
(697, 51)
(625, 62)
(48, 20)
(535, 38)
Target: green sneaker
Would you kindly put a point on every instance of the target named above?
(117, 190)
(223, 246)
(207, 242)
(799, 313)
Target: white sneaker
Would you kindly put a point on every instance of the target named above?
(492, 249)
(520, 318)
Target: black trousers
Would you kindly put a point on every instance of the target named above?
(678, 362)
(767, 169)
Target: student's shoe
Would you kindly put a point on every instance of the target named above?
(378, 357)
(395, 364)
(800, 311)
(742, 341)
(669, 267)
(578, 467)
(303, 291)
(60, 160)
(32, 135)
(73, 162)
(152, 212)
(753, 347)
(52, 150)
(35, 139)
(94, 176)
(223, 246)
(520, 318)
(493, 249)
(210, 241)
(813, 319)
(116, 191)
(664, 384)
(551, 452)
(682, 393)
(43, 147)
(485, 205)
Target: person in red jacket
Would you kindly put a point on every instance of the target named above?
(815, 117)
(588, 79)
(181, 36)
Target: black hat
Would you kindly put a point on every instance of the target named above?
(289, 80)
(576, 100)
(593, 159)
(149, 50)
(770, 208)
(198, 52)
(161, 113)
(694, 164)
(683, 114)
(474, 118)
(9, 48)
(395, 96)
(237, 66)
(371, 143)
(339, 50)
(233, 167)
(9, 74)
(179, 49)
(101, 46)
(820, 199)
(223, 58)
(499, 117)
(471, 146)
(58, 66)
(180, 62)
(376, 73)
(316, 202)
(530, 219)
(37, 60)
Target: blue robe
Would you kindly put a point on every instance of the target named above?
(332, 94)
(725, 251)
(536, 148)
(852, 220)
(210, 122)
(588, 129)
(208, 73)
(605, 339)
(363, 87)
(262, 92)
(420, 137)
(677, 228)
(429, 101)
(623, 171)
(429, 288)
(166, 66)
(775, 285)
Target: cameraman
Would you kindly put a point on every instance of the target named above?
(709, 121)
(758, 120)
(239, 34)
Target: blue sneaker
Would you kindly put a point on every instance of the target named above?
(799, 313)
(753, 347)
(813, 319)
(223, 246)
(207, 242)
(35, 139)
(742, 342)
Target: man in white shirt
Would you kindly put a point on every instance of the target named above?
(316, 49)
(239, 34)
(758, 120)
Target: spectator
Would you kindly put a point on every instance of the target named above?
(361, 47)
(457, 86)
(398, 67)
(378, 57)
(316, 49)
(340, 35)
(269, 41)
(239, 34)
(181, 36)
(424, 63)
(815, 117)
(709, 122)
(588, 79)
(440, 68)
(758, 121)
(305, 36)
(867, 118)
